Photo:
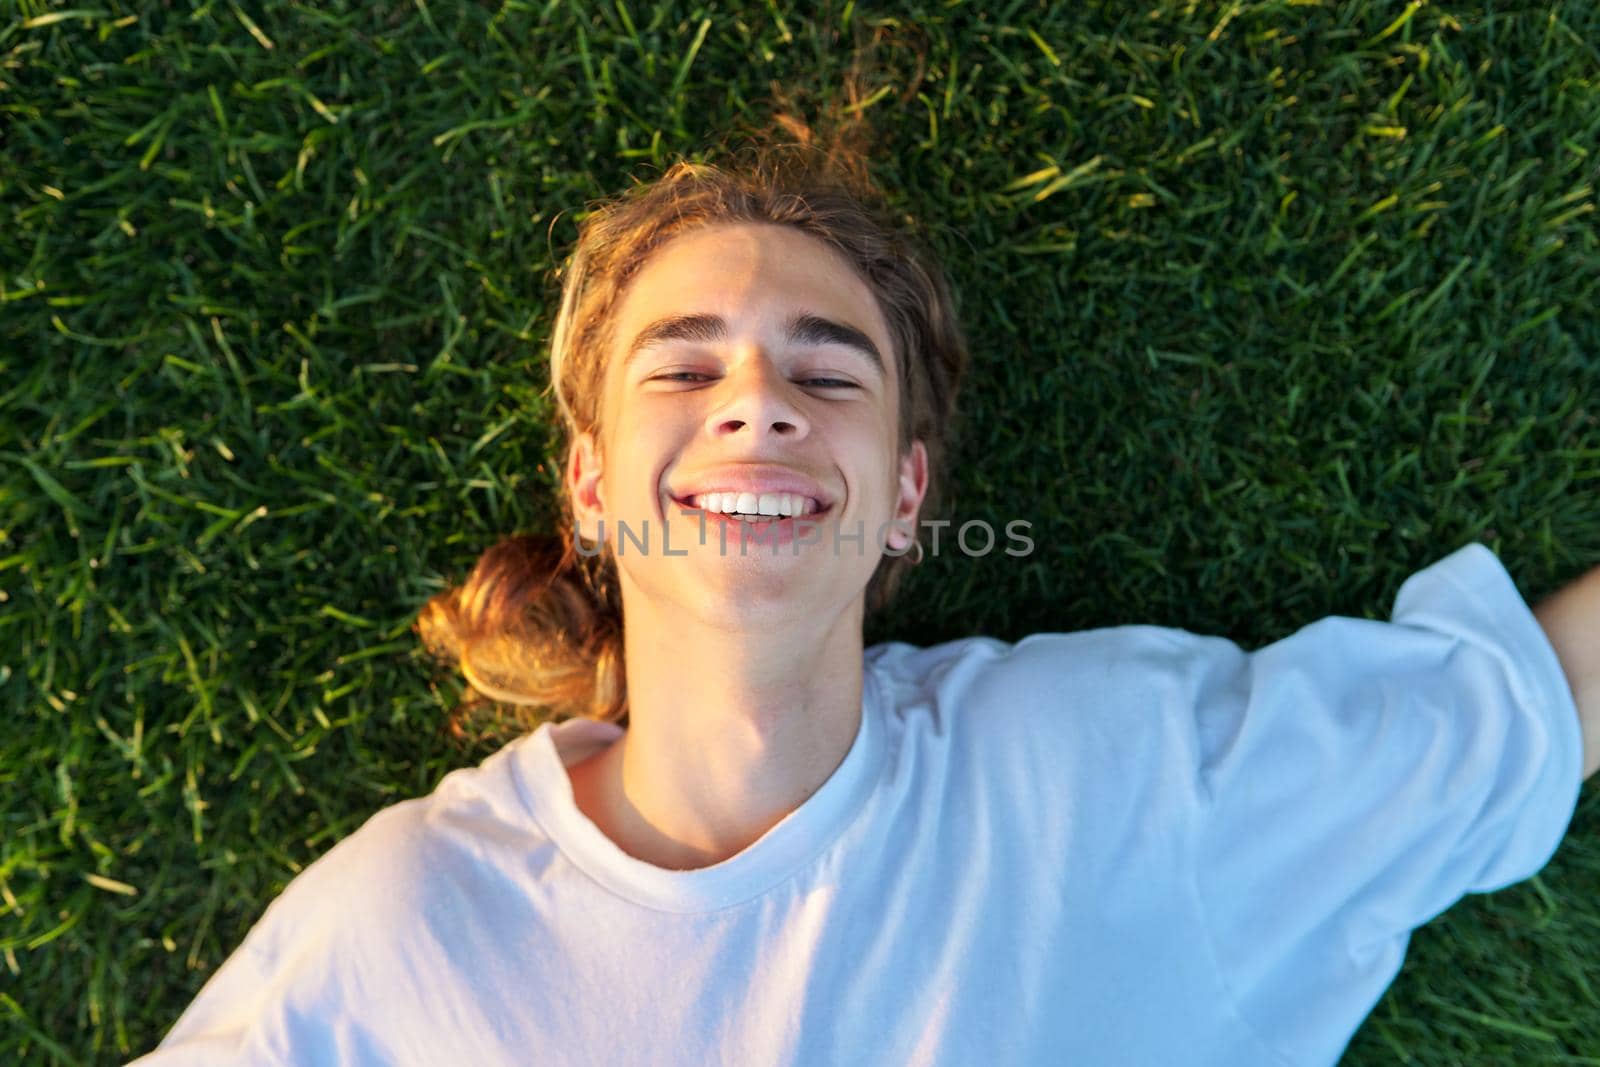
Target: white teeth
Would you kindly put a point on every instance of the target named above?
(754, 504)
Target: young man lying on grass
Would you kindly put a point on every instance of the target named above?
(750, 840)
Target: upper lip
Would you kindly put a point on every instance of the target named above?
(747, 479)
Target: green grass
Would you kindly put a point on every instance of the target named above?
(1271, 305)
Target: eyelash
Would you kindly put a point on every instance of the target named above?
(839, 383)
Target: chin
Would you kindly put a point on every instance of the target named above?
(732, 589)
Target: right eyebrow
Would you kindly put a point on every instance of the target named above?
(702, 329)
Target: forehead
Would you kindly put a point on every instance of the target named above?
(752, 275)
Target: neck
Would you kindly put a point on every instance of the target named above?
(730, 728)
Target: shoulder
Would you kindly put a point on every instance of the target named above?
(1084, 669)
(332, 969)
(383, 874)
(1081, 744)
(1112, 697)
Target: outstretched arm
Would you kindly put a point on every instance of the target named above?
(1571, 620)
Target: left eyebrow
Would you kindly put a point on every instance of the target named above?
(802, 329)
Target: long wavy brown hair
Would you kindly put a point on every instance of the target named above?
(537, 625)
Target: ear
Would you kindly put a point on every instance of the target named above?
(583, 477)
(913, 487)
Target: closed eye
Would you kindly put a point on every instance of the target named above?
(825, 383)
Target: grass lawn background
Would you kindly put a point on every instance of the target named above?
(1271, 304)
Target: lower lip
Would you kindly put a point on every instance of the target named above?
(755, 534)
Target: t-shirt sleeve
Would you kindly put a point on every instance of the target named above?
(235, 1017)
(244, 1013)
(282, 996)
(1358, 777)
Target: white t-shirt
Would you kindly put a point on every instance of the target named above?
(1132, 845)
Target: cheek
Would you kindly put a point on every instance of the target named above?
(646, 446)
(867, 455)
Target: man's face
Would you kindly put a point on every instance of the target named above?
(710, 387)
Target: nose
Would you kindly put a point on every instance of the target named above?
(760, 401)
